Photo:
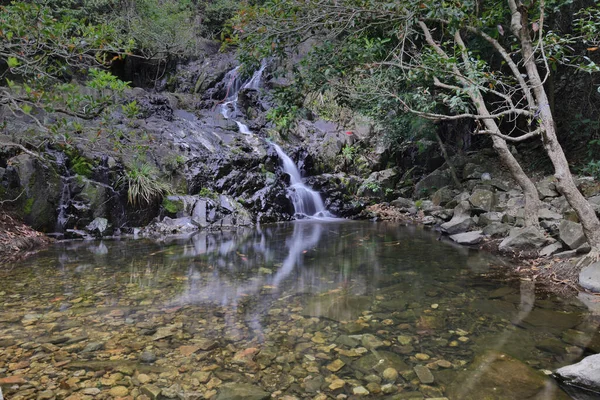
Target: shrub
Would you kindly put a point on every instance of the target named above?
(143, 184)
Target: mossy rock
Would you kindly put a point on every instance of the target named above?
(41, 186)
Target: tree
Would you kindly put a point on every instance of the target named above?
(442, 61)
(41, 52)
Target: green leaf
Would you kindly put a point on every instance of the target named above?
(12, 62)
(26, 109)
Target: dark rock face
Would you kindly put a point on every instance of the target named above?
(40, 185)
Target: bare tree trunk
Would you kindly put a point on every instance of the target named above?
(448, 161)
(532, 200)
(565, 182)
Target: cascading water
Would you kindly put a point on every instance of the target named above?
(234, 85)
(307, 202)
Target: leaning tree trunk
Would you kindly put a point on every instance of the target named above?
(532, 201)
(565, 183)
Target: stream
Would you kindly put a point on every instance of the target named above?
(309, 309)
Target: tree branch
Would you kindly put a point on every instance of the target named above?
(510, 138)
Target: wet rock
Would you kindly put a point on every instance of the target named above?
(360, 391)
(119, 391)
(390, 375)
(589, 277)
(152, 391)
(336, 307)
(519, 239)
(371, 342)
(581, 380)
(93, 346)
(501, 292)
(336, 365)
(552, 345)
(98, 227)
(589, 341)
(380, 362)
(500, 377)
(424, 374)
(571, 234)
(468, 238)
(148, 357)
(346, 341)
(313, 384)
(552, 320)
(241, 391)
(461, 220)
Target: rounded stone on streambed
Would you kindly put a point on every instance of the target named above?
(390, 375)
(147, 357)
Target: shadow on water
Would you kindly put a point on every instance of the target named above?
(299, 308)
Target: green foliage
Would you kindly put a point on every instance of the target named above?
(172, 207)
(161, 28)
(81, 166)
(216, 14)
(131, 109)
(349, 153)
(373, 186)
(56, 46)
(143, 185)
(206, 192)
(288, 106)
(592, 168)
(101, 79)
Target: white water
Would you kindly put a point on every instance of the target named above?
(234, 86)
(307, 202)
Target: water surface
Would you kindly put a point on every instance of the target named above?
(306, 309)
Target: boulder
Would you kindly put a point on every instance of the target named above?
(483, 199)
(461, 220)
(581, 380)
(547, 187)
(432, 182)
(500, 377)
(468, 238)
(490, 218)
(571, 234)
(403, 203)
(98, 227)
(442, 196)
(589, 277)
(550, 249)
(546, 214)
(528, 238)
(497, 229)
(42, 187)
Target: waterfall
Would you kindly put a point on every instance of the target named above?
(234, 85)
(307, 202)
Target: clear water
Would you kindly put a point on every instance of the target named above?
(303, 309)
